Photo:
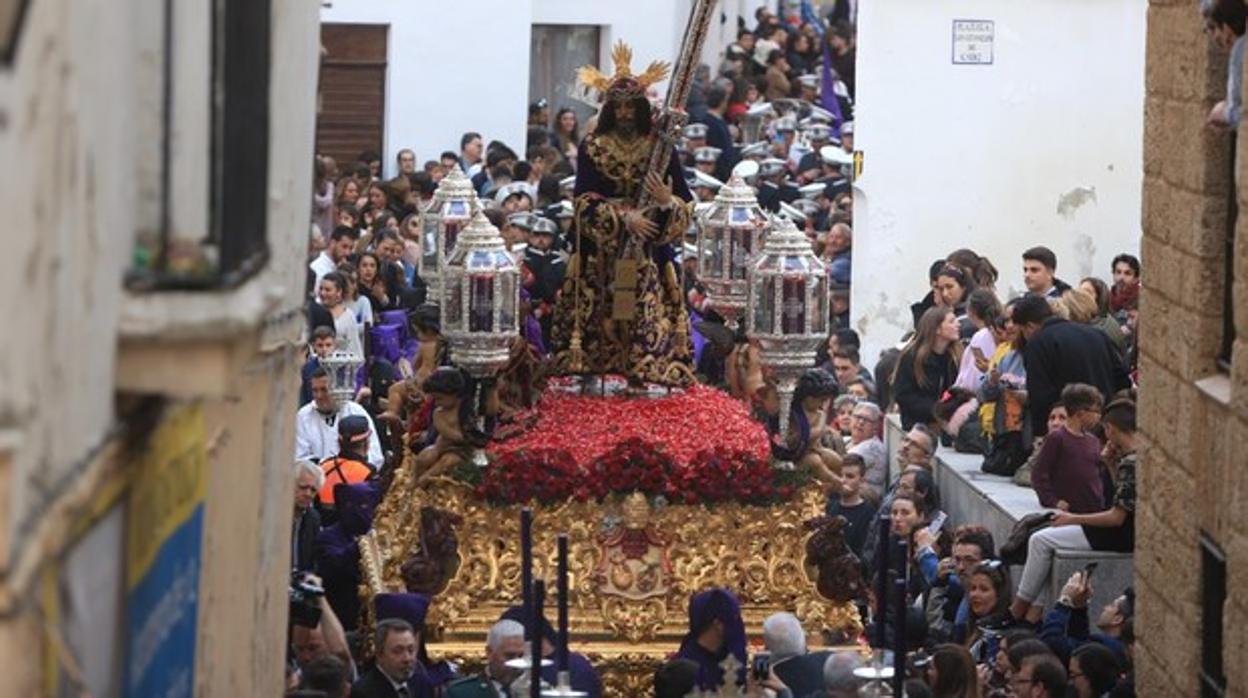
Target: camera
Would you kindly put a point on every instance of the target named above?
(305, 601)
(761, 666)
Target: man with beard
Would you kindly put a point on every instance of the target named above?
(621, 310)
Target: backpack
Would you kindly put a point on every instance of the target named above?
(1014, 551)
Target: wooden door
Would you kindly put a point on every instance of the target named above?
(353, 91)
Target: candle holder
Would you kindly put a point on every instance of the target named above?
(787, 310)
(453, 206)
(730, 234)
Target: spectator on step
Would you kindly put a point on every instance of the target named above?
(328, 675)
(927, 367)
(1102, 318)
(1059, 352)
(1057, 418)
(982, 311)
(1224, 23)
(1110, 530)
(934, 297)
(1126, 271)
(1040, 676)
(341, 244)
(1039, 273)
(955, 290)
(995, 675)
(1066, 474)
(1002, 397)
(322, 344)
(332, 294)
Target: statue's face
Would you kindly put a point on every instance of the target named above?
(625, 116)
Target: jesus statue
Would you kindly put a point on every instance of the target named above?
(621, 309)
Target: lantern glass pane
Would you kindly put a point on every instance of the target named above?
(454, 295)
(764, 306)
(740, 215)
(715, 260)
(796, 264)
(793, 309)
(451, 236)
(507, 299)
(742, 251)
(480, 260)
(481, 307)
(819, 323)
(429, 242)
(457, 208)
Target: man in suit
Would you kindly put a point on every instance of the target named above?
(505, 642)
(392, 674)
(800, 670)
(717, 133)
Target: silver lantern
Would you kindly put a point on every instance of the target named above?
(442, 222)
(480, 300)
(342, 367)
(787, 313)
(730, 234)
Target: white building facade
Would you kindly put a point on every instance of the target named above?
(994, 126)
(465, 66)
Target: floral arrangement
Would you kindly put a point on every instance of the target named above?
(551, 476)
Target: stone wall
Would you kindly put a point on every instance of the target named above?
(1194, 418)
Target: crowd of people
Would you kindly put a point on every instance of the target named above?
(1040, 385)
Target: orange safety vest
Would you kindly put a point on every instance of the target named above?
(340, 470)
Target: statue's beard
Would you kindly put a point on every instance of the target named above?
(627, 128)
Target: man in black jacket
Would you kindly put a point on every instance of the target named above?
(309, 478)
(1059, 352)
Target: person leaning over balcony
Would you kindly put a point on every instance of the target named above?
(1224, 23)
(1110, 530)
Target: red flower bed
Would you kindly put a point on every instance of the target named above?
(684, 423)
(699, 446)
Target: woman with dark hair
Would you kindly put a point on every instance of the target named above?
(371, 285)
(332, 294)
(981, 271)
(1094, 670)
(951, 673)
(988, 603)
(927, 367)
(1103, 320)
(955, 287)
(378, 204)
(1002, 397)
(568, 133)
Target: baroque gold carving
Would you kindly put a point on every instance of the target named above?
(759, 552)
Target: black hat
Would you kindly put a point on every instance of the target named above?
(354, 428)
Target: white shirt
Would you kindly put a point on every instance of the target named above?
(321, 266)
(316, 436)
(349, 333)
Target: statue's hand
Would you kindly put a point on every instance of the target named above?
(640, 226)
(660, 189)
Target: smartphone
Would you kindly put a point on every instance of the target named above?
(761, 666)
(938, 522)
(1088, 569)
(979, 353)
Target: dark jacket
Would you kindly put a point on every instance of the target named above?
(802, 674)
(305, 529)
(374, 684)
(915, 400)
(1066, 629)
(1064, 352)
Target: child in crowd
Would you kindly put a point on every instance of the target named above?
(1067, 473)
(1057, 418)
(323, 342)
(849, 502)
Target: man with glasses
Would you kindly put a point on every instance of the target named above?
(917, 448)
(864, 440)
(948, 610)
(1041, 676)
